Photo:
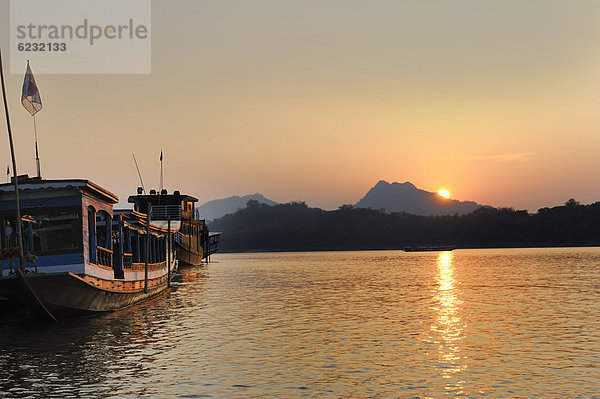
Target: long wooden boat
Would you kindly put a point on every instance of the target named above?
(82, 255)
(193, 242)
(431, 248)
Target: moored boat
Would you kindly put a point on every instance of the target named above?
(176, 211)
(432, 248)
(81, 254)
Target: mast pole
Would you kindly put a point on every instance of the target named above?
(169, 252)
(139, 174)
(161, 172)
(14, 164)
(147, 250)
(37, 155)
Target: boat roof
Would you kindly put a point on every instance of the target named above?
(129, 213)
(138, 220)
(34, 184)
(154, 197)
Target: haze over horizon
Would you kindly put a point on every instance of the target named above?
(498, 102)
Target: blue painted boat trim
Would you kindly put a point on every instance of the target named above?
(51, 202)
(51, 260)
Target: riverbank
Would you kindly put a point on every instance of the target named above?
(297, 227)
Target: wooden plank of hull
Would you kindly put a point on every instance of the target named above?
(187, 257)
(67, 294)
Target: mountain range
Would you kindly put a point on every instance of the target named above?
(389, 197)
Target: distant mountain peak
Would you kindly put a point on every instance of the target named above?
(383, 183)
(406, 197)
(220, 207)
(406, 184)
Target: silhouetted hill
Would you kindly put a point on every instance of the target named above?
(296, 227)
(220, 207)
(405, 197)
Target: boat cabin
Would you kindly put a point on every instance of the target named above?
(164, 206)
(70, 226)
(176, 212)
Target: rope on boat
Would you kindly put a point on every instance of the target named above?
(35, 301)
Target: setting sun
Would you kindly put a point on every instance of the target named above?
(444, 193)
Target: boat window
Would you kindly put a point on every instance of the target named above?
(103, 222)
(59, 230)
(92, 233)
(135, 251)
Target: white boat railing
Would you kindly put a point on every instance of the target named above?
(165, 212)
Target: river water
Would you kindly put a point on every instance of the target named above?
(474, 323)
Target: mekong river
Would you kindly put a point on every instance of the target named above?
(474, 323)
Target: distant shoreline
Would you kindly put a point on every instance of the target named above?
(401, 250)
(295, 227)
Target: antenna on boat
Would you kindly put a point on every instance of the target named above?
(139, 174)
(161, 172)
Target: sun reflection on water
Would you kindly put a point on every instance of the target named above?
(448, 327)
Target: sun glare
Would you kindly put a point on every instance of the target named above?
(444, 193)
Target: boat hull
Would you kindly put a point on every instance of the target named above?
(188, 258)
(67, 294)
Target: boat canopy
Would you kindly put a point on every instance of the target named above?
(27, 184)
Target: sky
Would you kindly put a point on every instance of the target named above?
(316, 101)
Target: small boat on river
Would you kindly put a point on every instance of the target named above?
(426, 249)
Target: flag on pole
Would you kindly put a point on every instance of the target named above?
(30, 98)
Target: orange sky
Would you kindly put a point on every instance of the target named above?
(499, 102)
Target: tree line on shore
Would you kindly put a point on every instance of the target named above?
(296, 227)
